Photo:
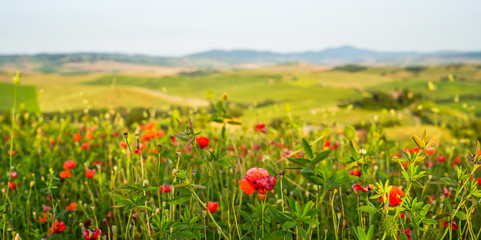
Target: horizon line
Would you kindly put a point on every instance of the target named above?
(231, 50)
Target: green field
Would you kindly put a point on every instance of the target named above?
(261, 94)
(26, 99)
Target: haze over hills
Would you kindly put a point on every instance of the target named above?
(84, 62)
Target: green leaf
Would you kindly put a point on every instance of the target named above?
(299, 161)
(312, 222)
(321, 156)
(145, 208)
(151, 188)
(367, 209)
(307, 149)
(447, 180)
(429, 221)
(461, 215)
(179, 200)
(350, 132)
(122, 200)
(279, 234)
(289, 224)
(419, 142)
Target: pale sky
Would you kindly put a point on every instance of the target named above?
(178, 27)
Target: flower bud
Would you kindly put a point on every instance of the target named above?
(16, 79)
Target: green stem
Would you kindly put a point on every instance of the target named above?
(208, 212)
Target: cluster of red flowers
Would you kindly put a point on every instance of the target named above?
(57, 227)
(334, 146)
(394, 195)
(355, 172)
(12, 185)
(90, 234)
(67, 165)
(412, 150)
(164, 188)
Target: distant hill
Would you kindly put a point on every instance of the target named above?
(221, 58)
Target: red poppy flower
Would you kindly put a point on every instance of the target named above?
(65, 174)
(440, 159)
(357, 187)
(137, 151)
(394, 194)
(147, 136)
(92, 234)
(446, 192)
(412, 150)
(261, 127)
(56, 228)
(123, 144)
(403, 215)
(114, 134)
(457, 161)
(430, 151)
(44, 218)
(12, 153)
(13, 174)
(85, 145)
(72, 206)
(429, 164)
(430, 198)
(160, 133)
(202, 141)
(77, 137)
(257, 179)
(69, 164)
(90, 173)
(454, 227)
(164, 188)
(149, 126)
(479, 181)
(407, 232)
(97, 163)
(355, 172)
(12, 185)
(172, 138)
(212, 206)
(326, 143)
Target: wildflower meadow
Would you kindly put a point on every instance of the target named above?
(210, 176)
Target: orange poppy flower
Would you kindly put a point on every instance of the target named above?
(89, 135)
(72, 206)
(77, 137)
(44, 218)
(394, 194)
(65, 174)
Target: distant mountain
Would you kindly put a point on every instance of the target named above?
(221, 58)
(340, 56)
